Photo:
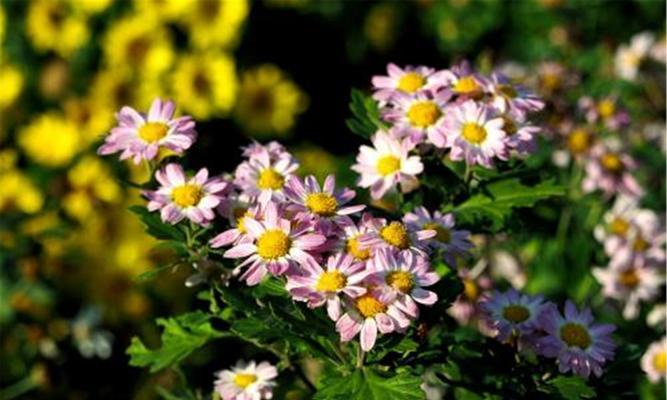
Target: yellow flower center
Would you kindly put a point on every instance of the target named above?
(369, 306)
(442, 234)
(507, 90)
(244, 380)
(640, 245)
(606, 108)
(240, 221)
(187, 195)
(411, 82)
(470, 289)
(575, 335)
(516, 313)
(629, 278)
(579, 141)
(619, 227)
(401, 281)
(660, 362)
(466, 85)
(424, 114)
(353, 247)
(396, 235)
(153, 131)
(388, 165)
(509, 126)
(473, 133)
(612, 163)
(322, 204)
(270, 179)
(331, 281)
(273, 244)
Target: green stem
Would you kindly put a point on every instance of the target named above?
(360, 357)
(17, 389)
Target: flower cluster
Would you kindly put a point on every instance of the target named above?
(474, 118)
(578, 343)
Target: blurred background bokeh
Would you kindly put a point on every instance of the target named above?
(71, 256)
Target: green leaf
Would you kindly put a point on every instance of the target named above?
(571, 387)
(366, 384)
(496, 200)
(365, 115)
(181, 336)
(155, 227)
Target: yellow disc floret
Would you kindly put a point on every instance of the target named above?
(151, 132)
(270, 179)
(396, 235)
(187, 195)
(322, 204)
(470, 289)
(273, 244)
(411, 82)
(516, 313)
(640, 245)
(628, 278)
(442, 234)
(467, 85)
(579, 141)
(354, 247)
(575, 335)
(388, 165)
(369, 306)
(619, 227)
(331, 281)
(606, 108)
(244, 380)
(423, 114)
(401, 281)
(660, 362)
(612, 163)
(473, 133)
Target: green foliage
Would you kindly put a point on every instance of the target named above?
(155, 227)
(494, 202)
(570, 387)
(181, 336)
(365, 115)
(368, 384)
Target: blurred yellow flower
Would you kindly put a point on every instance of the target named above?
(90, 6)
(54, 78)
(91, 118)
(3, 23)
(7, 159)
(51, 25)
(90, 180)
(40, 223)
(215, 22)
(11, 82)
(19, 193)
(50, 140)
(380, 26)
(268, 101)
(316, 161)
(114, 88)
(205, 84)
(139, 42)
(164, 10)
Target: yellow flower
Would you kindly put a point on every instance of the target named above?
(91, 118)
(50, 140)
(3, 22)
(205, 84)
(89, 7)
(90, 181)
(19, 193)
(7, 159)
(268, 101)
(164, 10)
(215, 22)
(139, 42)
(380, 26)
(40, 223)
(114, 88)
(51, 25)
(11, 82)
(54, 79)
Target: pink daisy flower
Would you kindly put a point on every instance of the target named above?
(387, 164)
(275, 150)
(476, 287)
(608, 170)
(520, 136)
(396, 237)
(408, 80)
(140, 136)
(454, 243)
(321, 205)
(406, 276)
(237, 233)
(264, 175)
(464, 82)
(179, 197)
(619, 223)
(418, 116)
(348, 240)
(367, 314)
(246, 381)
(645, 244)
(653, 361)
(276, 246)
(512, 99)
(474, 133)
(318, 286)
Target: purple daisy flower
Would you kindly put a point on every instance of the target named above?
(512, 314)
(140, 136)
(323, 206)
(580, 345)
(179, 198)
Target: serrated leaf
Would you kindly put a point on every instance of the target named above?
(365, 115)
(496, 201)
(155, 227)
(571, 387)
(366, 384)
(181, 336)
